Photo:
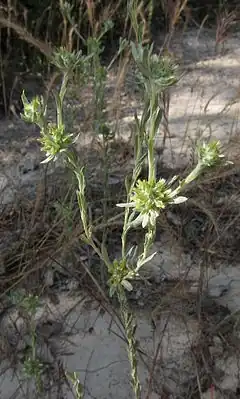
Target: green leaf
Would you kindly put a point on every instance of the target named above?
(132, 254)
(157, 120)
(112, 290)
(123, 43)
(146, 260)
(105, 254)
(145, 116)
(134, 51)
(128, 183)
(135, 223)
(137, 121)
(138, 167)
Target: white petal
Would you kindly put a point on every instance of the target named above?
(127, 205)
(128, 286)
(179, 200)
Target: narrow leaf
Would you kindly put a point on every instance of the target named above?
(146, 260)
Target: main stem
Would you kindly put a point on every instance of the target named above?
(129, 327)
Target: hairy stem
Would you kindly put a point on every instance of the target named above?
(130, 328)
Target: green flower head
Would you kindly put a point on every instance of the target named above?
(55, 141)
(163, 71)
(33, 110)
(69, 61)
(209, 154)
(150, 197)
(119, 276)
(159, 71)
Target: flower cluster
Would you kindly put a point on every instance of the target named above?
(33, 110)
(55, 140)
(158, 71)
(120, 274)
(68, 62)
(209, 154)
(150, 197)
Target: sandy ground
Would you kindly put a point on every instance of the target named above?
(90, 342)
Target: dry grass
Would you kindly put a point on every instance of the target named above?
(225, 21)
